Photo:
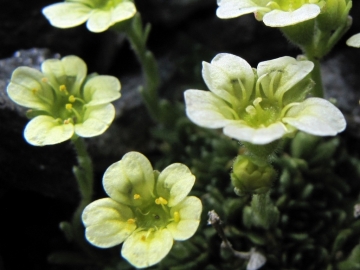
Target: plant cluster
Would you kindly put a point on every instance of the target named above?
(285, 185)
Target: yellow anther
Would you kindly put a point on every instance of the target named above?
(143, 238)
(34, 91)
(161, 201)
(62, 88)
(131, 221)
(72, 99)
(136, 196)
(44, 80)
(68, 106)
(176, 216)
(67, 121)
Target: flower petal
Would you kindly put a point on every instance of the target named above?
(279, 18)
(252, 135)
(316, 116)
(106, 222)
(236, 68)
(69, 71)
(354, 41)
(45, 130)
(291, 70)
(207, 110)
(188, 211)
(101, 90)
(226, 70)
(234, 8)
(99, 21)
(143, 250)
(27, 89)
(133, 174)
(66, 15)
(123, 11)
(96, 121)
(174, 183)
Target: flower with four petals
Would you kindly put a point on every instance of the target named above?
(146, 210)
(261, 105)
(99, 14)
(63, 100)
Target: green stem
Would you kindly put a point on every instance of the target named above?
(318, 90)
(85, 179)
(137, 38)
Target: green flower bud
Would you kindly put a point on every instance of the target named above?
(251, 175)
(334, 14)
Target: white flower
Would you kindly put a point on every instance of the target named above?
(99, 14)
(261, 106)
(274, 13)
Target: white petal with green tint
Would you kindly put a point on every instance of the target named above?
(106, 222)
(133, 174)
(174, 183)
(27, 89)
(207, 110)
(316, 116)
(290, 72)
(99, 21)
(96, 120)
(123, 11)
(45, 130)
(263, 135)
(235, 8)
(143, 249)
(235, 67)
(279, 18)
(188, 212)
(66, 15)
(354, 41)
(218, 81)
(69, 71)
(101, 89)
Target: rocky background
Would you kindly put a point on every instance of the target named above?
(37, 188)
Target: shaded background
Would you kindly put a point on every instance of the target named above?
(37, 189)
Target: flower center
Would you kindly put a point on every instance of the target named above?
(154, 216)
(105, 4)
(260, 115)
(289, 5)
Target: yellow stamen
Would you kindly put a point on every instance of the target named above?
(68, 106)
(62, 88)
(34, 91)
(44, 80)
(67, 121)
(161, 201)
(72, 99)
(176, 216)
(136, 196)
(131, 221)
(143, 238)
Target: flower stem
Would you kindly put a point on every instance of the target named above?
(85, 179)
(137, 37)
(318, 90)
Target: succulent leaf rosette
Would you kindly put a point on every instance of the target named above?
(276, 13)
(261, 105)
(99, 14)
(63, 100)
(146, 210)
